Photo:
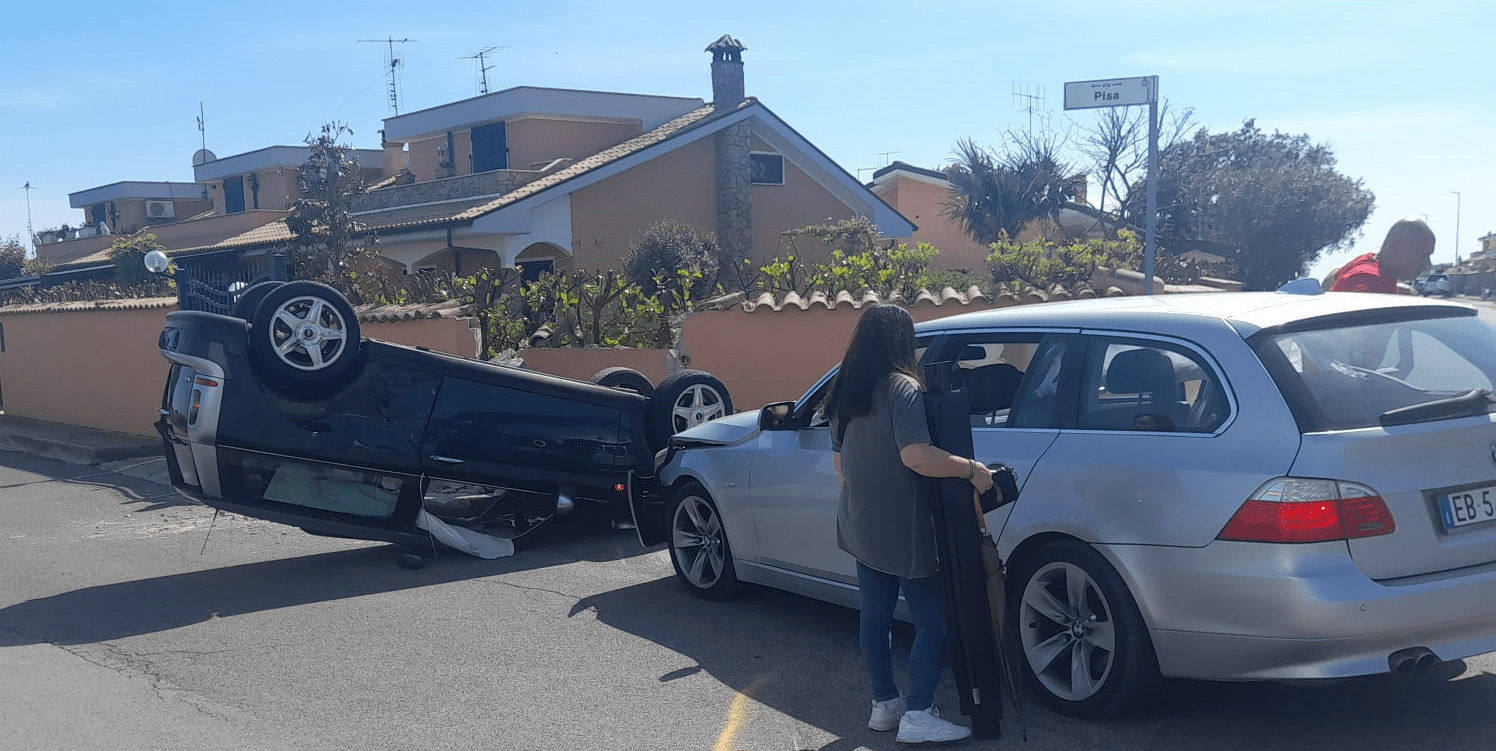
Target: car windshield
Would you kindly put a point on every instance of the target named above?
(1343, 377)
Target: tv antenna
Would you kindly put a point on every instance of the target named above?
(29, 232)
(482, 68)
(202, 125)
(392, 63)
(1026, 98)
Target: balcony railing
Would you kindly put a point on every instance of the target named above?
(491, 183)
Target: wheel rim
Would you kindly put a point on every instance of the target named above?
(698, 542)
(1067, 630)
(307, 333)
(697, 404)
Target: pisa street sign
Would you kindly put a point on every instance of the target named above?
(1111, 92)
(1123, 92)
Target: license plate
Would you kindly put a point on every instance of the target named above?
(1467, 507)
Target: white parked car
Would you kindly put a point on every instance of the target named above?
(1234, 486)
(1436, 284)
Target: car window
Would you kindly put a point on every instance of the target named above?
(338, 489)
(1040, 396)
(1151, 386)
(991, 368)
(1349, 376)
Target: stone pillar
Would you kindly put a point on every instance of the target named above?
(734, 194)
(734, 170)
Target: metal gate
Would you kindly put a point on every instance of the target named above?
(215, 291)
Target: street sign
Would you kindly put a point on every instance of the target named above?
(1112, 92)
(1121, 92)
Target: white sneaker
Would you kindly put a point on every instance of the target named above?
(886, 714)
(925, 726)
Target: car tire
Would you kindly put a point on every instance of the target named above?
(626, 379)
(304, 338)
(248, 300)
(685, 399)
(699, 550)
(1072, 608)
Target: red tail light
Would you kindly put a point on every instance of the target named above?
(197, 397)
(1292, 509)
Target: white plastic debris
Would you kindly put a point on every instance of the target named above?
(464, 539)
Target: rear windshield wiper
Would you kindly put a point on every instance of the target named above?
(1472, 402)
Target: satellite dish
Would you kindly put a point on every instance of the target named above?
(156, 262)
(203, 156)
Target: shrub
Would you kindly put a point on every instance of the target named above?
(670, 246)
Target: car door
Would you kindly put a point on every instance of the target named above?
(502, 435)
(794, 492)
(1014, 385)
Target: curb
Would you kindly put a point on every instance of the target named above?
(75, 453)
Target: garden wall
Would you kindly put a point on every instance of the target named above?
(96, 364)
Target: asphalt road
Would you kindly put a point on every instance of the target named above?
(131, 620)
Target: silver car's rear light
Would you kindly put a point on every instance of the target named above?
(1297, 509)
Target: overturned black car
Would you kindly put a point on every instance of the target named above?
(284, 412)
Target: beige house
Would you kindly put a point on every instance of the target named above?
(546, 178)
(119, 209)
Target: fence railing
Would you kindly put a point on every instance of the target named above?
(216, 291)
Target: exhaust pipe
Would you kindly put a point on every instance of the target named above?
(1412, 659)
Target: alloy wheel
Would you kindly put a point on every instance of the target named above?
(1067, 631)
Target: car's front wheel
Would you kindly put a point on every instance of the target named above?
(698, 545)
(1081, 636)
(685, 399)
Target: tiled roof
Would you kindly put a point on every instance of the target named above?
(399, 313)
(923, 299)
(466, 210)
(144, 303)
(414, 216)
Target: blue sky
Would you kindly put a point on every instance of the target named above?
(97, 93)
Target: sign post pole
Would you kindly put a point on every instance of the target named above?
(1123, 92)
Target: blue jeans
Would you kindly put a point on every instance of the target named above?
(880, 595)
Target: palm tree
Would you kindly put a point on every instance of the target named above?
(992, 196)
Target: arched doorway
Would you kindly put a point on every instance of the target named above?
(538, 259)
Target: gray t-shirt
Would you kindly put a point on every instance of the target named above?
(883, 521)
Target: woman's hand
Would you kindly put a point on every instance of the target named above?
(981, 477)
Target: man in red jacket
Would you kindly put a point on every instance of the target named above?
(1405, 253)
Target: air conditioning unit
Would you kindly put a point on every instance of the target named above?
(160, 210)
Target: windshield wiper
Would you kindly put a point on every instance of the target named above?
(1472, 402)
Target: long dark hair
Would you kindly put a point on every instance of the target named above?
(882, 344)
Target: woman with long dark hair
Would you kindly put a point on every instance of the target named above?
(881, 442)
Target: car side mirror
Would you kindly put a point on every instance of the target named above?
(777, 416)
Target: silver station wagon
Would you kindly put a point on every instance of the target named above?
(1234, 486)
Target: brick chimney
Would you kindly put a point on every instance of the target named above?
(727, 72)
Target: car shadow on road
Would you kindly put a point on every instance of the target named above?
(799, 657)
(115, 611)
